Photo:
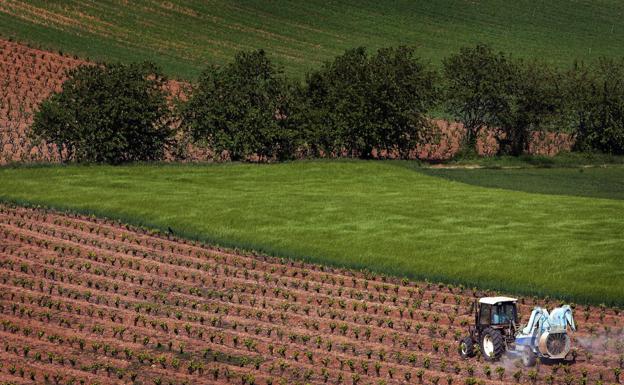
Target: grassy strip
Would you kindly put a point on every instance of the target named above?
(363, 215)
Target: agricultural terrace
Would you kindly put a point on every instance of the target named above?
(555, 238)
(184, 36)
(86, 300)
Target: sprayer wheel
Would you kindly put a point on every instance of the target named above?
(528, 357)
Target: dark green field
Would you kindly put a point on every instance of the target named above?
(184, 36)
(593, 182)
(561, 235)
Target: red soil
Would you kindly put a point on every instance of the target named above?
(27, 76)
(98, 301)
(446, 139)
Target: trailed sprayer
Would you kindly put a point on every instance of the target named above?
(496, 331)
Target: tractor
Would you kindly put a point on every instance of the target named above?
(496, 331)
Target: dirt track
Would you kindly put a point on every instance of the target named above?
(98, 301)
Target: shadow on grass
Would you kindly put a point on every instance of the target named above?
(606, 183)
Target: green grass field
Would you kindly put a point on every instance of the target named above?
(183, 36)
(391, 217)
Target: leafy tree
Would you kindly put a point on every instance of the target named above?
(335, 97)
(243, 108)
(110, 114)
(488, 89)
(479, 86)
(580, 88)
(403, 91)
(359, 102)
(538, 103)
(598, 96)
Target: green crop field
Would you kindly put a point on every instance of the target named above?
(184, 36)
(560, 236)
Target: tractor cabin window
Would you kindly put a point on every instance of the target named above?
(503, 313)
(484, 317)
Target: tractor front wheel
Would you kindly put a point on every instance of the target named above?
(492, 344)
(466, 347)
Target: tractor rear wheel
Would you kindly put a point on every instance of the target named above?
(492, 344)
(466, 347)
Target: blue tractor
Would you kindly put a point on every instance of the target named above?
(496, 331)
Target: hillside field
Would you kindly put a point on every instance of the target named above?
(87, 300)
(184, 36)
(388, 217)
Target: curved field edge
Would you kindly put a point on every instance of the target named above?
(594, 182)
(361, 215)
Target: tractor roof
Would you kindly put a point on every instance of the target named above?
(495, 300)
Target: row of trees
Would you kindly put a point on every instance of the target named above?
(351, 106)
(484, 88)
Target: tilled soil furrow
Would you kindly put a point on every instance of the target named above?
(109, 303)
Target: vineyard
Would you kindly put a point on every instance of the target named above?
(27, 76)
(312, 271)
(93, 301)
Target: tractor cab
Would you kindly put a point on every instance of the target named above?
(496, 312)
(494, 329)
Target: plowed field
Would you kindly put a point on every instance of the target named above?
(86, 300)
